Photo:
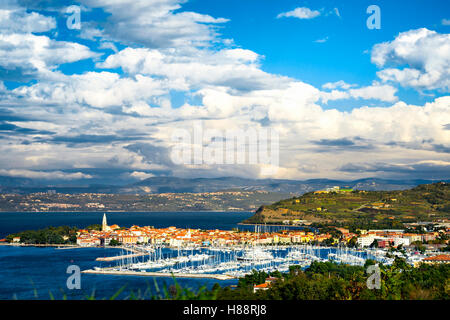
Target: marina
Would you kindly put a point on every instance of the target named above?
(164, 256)
(161, 274)
(230, 262)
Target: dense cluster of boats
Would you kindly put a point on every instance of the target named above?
(238, 261)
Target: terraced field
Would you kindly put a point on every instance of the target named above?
(430, 202)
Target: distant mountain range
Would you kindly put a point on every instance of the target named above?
(199, 185)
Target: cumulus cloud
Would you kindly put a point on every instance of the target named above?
(17, 20)
(420, 169)
(192, 68)
(375, 91)
(425, 55)
(300, 13)
(109, 123)
(338, 84)
(155, 24)
(38, 56)
(25, 55)
(96, 89)
(306, 132)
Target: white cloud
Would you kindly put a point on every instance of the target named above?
(53, 175)
(338, 84)
(291, 110)
(141, 175)
(300, 13)
(375, 91)
(155, 24)
(175, 51)
(426, 54)
(108, 45)
(446, 22)
(96, 89)
(17, 20)
(25, 55)
(38, 55)
(193, 68)
(321, 40)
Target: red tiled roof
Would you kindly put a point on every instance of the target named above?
(441, 257)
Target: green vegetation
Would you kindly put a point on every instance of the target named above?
(362, 209)
(114, 243)
(172, 292)
(320, 281)
(331, 281)
(97, 227)
(50, 235)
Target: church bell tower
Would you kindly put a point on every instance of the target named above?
(104, 223)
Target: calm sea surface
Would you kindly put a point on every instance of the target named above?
(11, 222)
(38, 273)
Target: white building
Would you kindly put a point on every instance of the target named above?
(365, 241)
(401, 241)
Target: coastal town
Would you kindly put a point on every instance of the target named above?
(337, 225)
(194, 253)
(227, 254)
(176, 237)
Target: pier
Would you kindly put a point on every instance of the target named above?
(121, 257)
(161, 274)
(137, 253)
(57, 246)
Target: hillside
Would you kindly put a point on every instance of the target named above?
(227, 200)
(349, 207)
(155, 185)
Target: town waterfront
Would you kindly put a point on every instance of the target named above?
(198, 248)
(11, 222)
(36, 273)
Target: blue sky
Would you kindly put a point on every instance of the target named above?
(347, 101)
(288, 45)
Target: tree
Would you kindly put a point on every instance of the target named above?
(353, 242)
(374, 244)
(114, 243)
(97, 227)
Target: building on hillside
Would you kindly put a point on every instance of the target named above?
(262, 286)
(442, 258)
(343, 230)
(88, 241)
(366, 241)
(266, 284)
(401, 241)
